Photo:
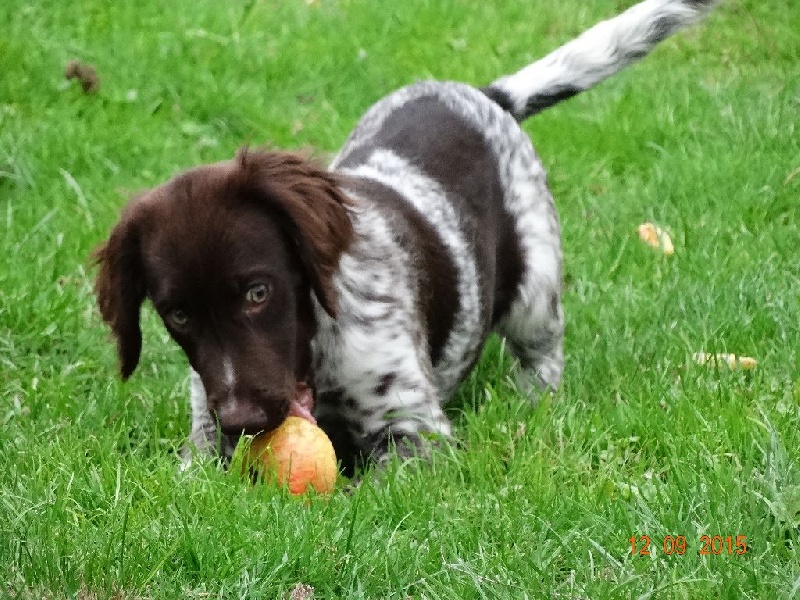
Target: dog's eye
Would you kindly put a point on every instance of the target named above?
(178, 318)
(258, 293)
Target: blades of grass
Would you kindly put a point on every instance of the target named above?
(79, 195)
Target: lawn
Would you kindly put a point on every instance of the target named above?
(536, 501)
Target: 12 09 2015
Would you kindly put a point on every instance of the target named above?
(642, 545)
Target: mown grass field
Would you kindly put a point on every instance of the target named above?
(539, 501)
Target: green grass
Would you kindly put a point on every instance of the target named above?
(538, 501)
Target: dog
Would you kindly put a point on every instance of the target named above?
(360, 295)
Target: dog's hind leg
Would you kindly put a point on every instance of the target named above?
(534, 333)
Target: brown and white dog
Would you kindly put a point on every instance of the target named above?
(372, 285)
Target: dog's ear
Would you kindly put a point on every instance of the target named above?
(316, 209)
(120, 288)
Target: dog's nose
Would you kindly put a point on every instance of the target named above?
(236, 418)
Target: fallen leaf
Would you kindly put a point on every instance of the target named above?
(723, 358)
(654, 236)
(85, 73)
(301, 591)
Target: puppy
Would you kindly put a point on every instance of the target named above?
(362, 294)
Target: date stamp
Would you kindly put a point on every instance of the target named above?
(716, 545)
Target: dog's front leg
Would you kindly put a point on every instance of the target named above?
(373, 423)
(205, 439)
(404, 432)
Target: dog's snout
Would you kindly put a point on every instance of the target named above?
(237, 417)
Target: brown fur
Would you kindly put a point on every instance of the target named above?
(312, 200)
(120, 287)
(194, 245)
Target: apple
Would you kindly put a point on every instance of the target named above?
(297, 454)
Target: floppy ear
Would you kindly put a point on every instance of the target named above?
(315, 207)
(120, 289)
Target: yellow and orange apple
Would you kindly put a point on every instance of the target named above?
(297, 454)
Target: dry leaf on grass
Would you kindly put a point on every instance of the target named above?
(723, 358)
(654, 236)
(301, 591)
(85, 73)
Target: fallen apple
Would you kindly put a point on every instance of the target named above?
(297, 454)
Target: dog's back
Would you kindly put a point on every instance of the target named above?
(452, 191)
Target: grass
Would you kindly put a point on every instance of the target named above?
(538, 501)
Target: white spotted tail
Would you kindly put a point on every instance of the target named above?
(595, 55)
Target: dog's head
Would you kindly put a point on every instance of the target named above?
(229, 255)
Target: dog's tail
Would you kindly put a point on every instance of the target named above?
(595, 55)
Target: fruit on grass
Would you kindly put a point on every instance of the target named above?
(297, 454)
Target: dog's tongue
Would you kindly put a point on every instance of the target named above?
(303, 403)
